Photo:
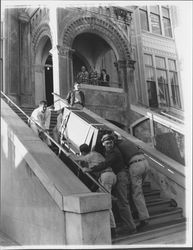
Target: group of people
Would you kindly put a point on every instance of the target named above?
(120, 167)
(93, 77)
(40, 117)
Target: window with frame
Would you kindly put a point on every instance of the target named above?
(150, 80)
(173, 80)
(166, 22)
(162, 80)
(144, 18)
(155, 20)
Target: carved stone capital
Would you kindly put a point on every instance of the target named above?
(123, 15)
(130, 64)
(23, 16)
(64, 50)
(121, 64)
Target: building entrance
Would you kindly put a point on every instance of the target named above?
(49, 80)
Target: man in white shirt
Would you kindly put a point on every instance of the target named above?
(41, 116)
(58, 127)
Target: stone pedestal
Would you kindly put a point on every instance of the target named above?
(87, 219)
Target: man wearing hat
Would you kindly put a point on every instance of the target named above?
(138, 169)
(76, 98)
(114, 160)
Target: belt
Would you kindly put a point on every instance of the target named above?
(136, 161)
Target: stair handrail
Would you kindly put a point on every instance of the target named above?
(136, 145)
(59, 146)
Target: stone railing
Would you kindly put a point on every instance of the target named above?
(42, 201)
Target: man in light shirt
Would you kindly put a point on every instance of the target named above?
(41, 116)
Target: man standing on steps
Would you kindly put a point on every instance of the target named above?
(114, 160)
(75, 98)
(41, 116)
(138, 169)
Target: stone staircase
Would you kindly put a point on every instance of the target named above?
(165, 216)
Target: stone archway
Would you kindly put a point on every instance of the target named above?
(107, 31)
(101, 27)
(42, 44)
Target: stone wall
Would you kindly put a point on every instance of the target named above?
(42, 201)
(110, 103)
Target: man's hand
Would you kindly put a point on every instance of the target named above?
(86, 170)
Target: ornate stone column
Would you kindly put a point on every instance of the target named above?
(39, 87)
(65, 69)
(122, 73)
(25, 87)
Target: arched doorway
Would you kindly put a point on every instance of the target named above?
(43, 72)
(49, 80)
(96, 54)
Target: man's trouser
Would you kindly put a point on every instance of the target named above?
(43, 137)
(121, 190)
(108, 180)
(138, 169)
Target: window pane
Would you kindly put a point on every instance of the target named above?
(154, 9)
(167, 27)
(163, 88)
(148, 60)
(160, 62)
(169, 142)
(175, 89)
(173, 78)
(172, 64)
(144, 20)
(155, 24)
(152, 94)
(142, 131)
(165, 12)
(149, 73)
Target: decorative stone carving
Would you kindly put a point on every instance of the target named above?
(40, 32)
(23, 16)
(40, 14)
(121, 64)
(64, 50)
(105, 28)
(130, 64)
(123, 15)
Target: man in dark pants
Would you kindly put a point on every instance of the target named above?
(138, 170)
(114, 160)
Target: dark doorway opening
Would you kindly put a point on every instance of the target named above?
(49, 80)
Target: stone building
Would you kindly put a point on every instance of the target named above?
(45, 48)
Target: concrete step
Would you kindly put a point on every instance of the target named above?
(152, 232)
(151, 195)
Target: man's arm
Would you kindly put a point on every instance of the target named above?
(101, 166)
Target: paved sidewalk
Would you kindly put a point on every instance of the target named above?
(6, 241)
